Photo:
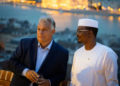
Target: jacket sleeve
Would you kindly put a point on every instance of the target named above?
(15, 63)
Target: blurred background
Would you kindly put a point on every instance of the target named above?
(19, 19)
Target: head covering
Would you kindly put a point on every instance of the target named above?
(88, 22)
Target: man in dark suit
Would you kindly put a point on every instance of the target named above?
(41, 61)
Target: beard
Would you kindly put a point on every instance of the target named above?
(79, 40)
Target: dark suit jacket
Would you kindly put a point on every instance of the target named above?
(54, 66)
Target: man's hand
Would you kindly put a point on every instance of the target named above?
(43, 82)
(32, 76)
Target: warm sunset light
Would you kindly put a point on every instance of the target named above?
(68, 5)
(99, 3)
(38, 5)
(119, 9)
(22, 0)
(56, 40)
(119, 18)
(95, 5)
(65, 4)
(30, 2)
(109, 8)
(111, 18)
(103, 8)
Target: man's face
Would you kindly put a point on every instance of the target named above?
(44, 32)
(82, 34)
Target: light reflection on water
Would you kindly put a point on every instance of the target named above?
(119, 19)
(107, 24)
(25, 7)
(111, 18)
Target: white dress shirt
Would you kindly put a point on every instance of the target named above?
(95, 67)
(41, 55)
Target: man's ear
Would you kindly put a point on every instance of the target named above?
(53, 31)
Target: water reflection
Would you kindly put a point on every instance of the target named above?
(119, 19)
(25, 7)
(107, 24)
(110, 18)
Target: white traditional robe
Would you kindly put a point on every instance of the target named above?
(95, 67)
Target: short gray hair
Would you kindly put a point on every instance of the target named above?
(48, 19)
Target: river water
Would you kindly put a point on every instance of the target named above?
(109, 25)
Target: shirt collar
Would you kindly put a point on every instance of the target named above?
(48, 47)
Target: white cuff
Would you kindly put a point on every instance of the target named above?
(24, 71)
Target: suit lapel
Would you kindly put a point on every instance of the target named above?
(34, 54)
(49, 56)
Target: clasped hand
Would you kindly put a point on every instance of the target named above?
(36, 78)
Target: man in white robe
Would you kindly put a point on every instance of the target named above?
(94, 64)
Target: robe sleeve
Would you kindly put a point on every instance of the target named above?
(111, 69)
